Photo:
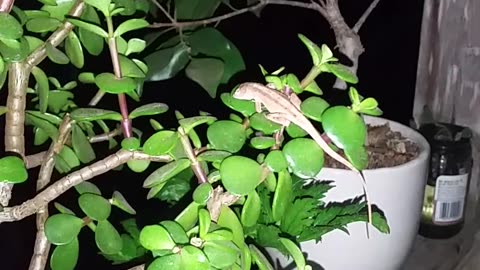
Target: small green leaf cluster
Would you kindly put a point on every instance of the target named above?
(62, 229)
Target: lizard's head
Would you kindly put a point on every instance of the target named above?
(243, 92)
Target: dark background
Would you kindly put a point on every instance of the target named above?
(387, 71)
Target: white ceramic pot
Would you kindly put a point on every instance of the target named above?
(397, 191)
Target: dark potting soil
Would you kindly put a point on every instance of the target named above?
(386, 148)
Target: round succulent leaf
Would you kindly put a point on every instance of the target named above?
(135, 45)
(130, 144)
(262, 142)
(14, 50)
(69, 156)
(259, 122)
(13, 170)
(56, 55)
(295, 131)
(194, 258)
(189, 216)
(294, 83)
(119, 201)
(344, 127)
(42, 24)
(176, 231)
(368, 104)
(226, 135)
(160, 143)
(110, 84)
(219, 234)
(202, 193)
(148, 110)
(354, 96)
(304, 157)
(189, 123)
(245, 107)
(10, 28)
(65, 257)
(228, 219)
(221, 254)
(282, 198)
(313, 108)
(276, 161)
(240, 175)
(358, 156)
(166, 172)
(374, 112)
(107, 238)
(251, 209)
(213, 155)
(56, 9)
(342, 72)
(314, 88)
(61, 229)
(95, 206)
(130, 68)
(170, 262)
(156, 237)
(62, 209)
(87, 187)
(138, 166)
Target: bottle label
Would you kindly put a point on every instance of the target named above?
(449, 199)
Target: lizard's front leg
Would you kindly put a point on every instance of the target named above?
(278, 118)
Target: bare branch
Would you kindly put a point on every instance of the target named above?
(190, 152)
(6, 5)
(365, 15)
(27, 208)
(163, 11)
(261, 3)
(42, 245)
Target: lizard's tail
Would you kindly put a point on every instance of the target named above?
(326, 148)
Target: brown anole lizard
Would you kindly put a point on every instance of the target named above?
(283, 111)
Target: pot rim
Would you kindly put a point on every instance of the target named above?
(414, 136)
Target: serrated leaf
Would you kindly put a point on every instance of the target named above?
(88, 26)
(74, 49)
(207, 72)
(130, 25)
(43, 88)
(81, 145)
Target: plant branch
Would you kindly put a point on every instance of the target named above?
(365, 15)
(197, 169)
(29, 207)
(156, 3)
(6, 5)
(138, 267)
(260, 4)
(42, 245)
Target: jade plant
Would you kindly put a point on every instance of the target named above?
(250, 179)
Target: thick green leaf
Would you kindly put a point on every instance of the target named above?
(213, 155)
(88, 26)
(166, 63)
(43, 88)
(283, 195)
(14, 50)
(313, 107)
(86, 77)
(202, 193)
(135, 45)
(358, 156)
(3, 66)
(228, 219)
(92, 42)
(211, 42)
(259, 122)
(65, 257)
(59, 9)
(315, 51)
(170, 262)
(119, 201)
(81, 145)
(295, 252)
(226, 135)
(92, 114)
(342, 72)
(42, 24)
(251, 209)
(166, 172)
(56, 55)
(276, 161)
(102, 5)
(107, 238)
(95, 206)
(46, 126)
(193, 258)
(240, 175)
(10, 28)
(190, 123)
(51, 118)
(138, 166)
(221, 254)
(130, 25)
(87, 187)
(130, 68)
(69, 156)
(304, 157)
(61, 229)
(207, 72)
(344, 127)
(156, 237)
(262, 142)
(107, 82)
(12, 170)
(149, 109)
(58, 100)
(195, 9)
(160, 143)
(246, 107)
(74, 50)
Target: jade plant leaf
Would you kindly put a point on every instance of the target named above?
(194, 258)
(221, 254)
(88, 26)
(211, 42)
(293, 82)
(130, 25)
(102, 5)
(138, 166)
(119, 201)
(195, 9)
(342, 72)
(87, 187)
(65, 257)
(162, 142)
(81, 145)
(92, 114)
(166, 63)
(171, 262)
(295, 252)
(135, 45)
(226, 135)
(12, 170)
(213, 155)
(130, 144)
(204, 222)
(58, 9)
(15, 50)
(58, 99)
(61, 229)
(10, 28)
(69, 156)
(283, 195)
(92, 42)
(130, 68)
(358, 156)
(202, 193)
(42, 24)
(188, 124)
(276, 161)
(228, 219)
(45, 125)
(176, 231)
(246, 107)
(156, 237)
(315, 51)
(107, 238)
(240, 175)
(207, 72)
(95, 206)
(304, 157)
(56, 55)
(149, 109)
(166, 172)
(109, 83)
(313, 107)
(262, 142)
(314, 88)
(74, 50)
(259, 122)
(344, 127)
(295, 131)
(251, 209)
(43, 88)
(189, 216)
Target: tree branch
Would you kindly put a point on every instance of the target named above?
(27, 208)
(6, 5)
(42, 245)
(365, 15)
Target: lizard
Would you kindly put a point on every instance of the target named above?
(281, 110)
